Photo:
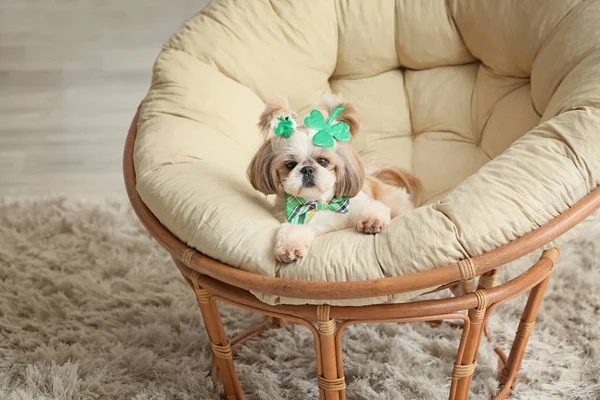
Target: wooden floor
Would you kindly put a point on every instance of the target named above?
(72, 73)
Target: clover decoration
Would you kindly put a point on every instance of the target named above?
(286, 126)
(327, 130)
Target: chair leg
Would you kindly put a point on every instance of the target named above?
(488, 281)
(331, 384)
(508, 378)
(462, 374)
(222, 354)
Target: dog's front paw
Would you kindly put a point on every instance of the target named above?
(372, 224)
(290, 252)
(292, 242)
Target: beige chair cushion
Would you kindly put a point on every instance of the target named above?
(494, 105)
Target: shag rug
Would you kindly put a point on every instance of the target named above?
(92, 308)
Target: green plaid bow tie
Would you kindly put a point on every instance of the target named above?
(300, 211)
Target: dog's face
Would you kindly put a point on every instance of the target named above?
(298, 167)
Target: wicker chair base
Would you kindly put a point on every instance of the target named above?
(332, 321)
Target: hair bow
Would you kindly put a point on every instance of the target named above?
(327, 130)
(286, 126)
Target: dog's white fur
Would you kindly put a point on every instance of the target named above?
(365, 215)
(275, 169)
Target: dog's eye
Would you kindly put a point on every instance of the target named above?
(291, 165)
(323, 162)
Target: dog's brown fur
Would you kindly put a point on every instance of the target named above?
(382, 185)
(276, 107)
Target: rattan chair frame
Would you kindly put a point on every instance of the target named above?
(213, 281)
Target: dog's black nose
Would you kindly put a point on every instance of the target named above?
(308, 170)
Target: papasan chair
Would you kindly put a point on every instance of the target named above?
(494, 105)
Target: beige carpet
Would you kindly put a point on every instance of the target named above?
(91, 308)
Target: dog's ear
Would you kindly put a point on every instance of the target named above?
(274, 108)
(350, 177)
(262, 174)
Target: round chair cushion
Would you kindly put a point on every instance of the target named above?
(494, 105)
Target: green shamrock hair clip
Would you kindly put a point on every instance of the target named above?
(327, 130)
(286, 126)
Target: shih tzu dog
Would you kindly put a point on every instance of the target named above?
(319, 179)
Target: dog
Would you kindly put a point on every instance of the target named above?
(319, 180)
